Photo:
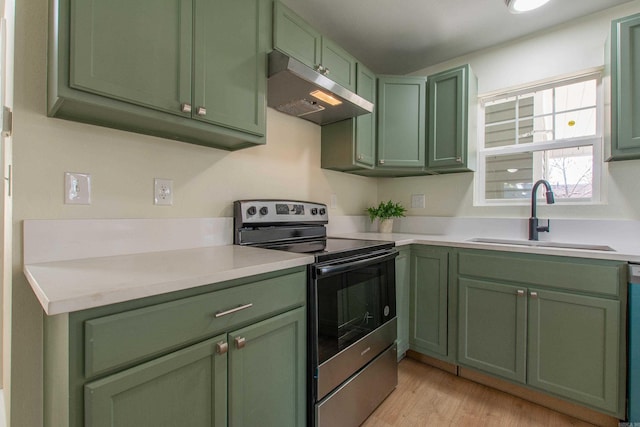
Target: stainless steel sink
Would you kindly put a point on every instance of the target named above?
(536, 243)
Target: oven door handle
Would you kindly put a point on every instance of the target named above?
(331, 269)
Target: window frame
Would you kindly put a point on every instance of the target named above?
(595, 141)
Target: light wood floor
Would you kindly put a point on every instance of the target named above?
(427, 396)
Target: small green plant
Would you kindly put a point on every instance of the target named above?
(386, 210)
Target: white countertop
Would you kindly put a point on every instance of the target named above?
(72, 285)
(628, 252)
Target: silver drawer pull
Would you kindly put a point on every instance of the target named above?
(534, 294)
(233, 310)
(240, 342)
(222, 347)
(201, 111)
(185, 108)
(520, 292)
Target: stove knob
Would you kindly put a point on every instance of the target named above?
(251, 210)
(314, 211)
(323, 211)
(264, 210)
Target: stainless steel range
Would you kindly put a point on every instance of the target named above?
(352, 362)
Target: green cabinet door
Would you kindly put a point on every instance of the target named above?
(401, 122)
(350, 144)
(267, 367)
(229, 74)
(574, 348)
(625, 89)
(293, 36)
(138, 52)
(492, 328)
(365, 149)
(338, 64)
(403, 298)
(184, 388)
(451, 120)
(428, 325)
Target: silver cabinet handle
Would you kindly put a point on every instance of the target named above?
(381, 161)
(360, 156)
(201, 111)
(459, 159)
(319, 68)
(520, 293)
(233, 310)
(240, 342)
(534, 294)
(185, 108)
(326, 71)
(222, 347)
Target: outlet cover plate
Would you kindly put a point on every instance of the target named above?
(163, 192)
(77, 188)
(418, 201)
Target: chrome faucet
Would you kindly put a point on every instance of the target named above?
(534, 229)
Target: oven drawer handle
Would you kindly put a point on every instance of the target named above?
(341, 268)
(233, 310)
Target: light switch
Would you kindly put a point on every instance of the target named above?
(77, 188)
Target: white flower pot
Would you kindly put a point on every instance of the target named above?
(385, 225)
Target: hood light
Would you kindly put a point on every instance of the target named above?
(521, 6)
(325, 97)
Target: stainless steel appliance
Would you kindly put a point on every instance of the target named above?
(352, 326)
(297, 90)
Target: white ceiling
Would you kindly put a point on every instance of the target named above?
(402, 36)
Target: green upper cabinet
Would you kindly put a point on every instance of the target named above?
(295, 37)
(117, 53)
(625, 89)
(351, 144)
(452, 116)
(191, 70)
(231, 41)
(401, 122)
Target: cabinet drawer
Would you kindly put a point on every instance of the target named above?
(576, 274)
(124, 338)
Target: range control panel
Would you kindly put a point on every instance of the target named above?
(279, 211)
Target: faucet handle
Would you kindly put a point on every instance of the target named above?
(544, 228)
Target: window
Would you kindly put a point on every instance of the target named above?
(552, 132)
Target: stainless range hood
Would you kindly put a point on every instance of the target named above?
(290, 86)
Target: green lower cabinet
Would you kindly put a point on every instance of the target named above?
(428, 327)
(492, 328)
(553, 324)
(574, 349)
(403, 298)
(267, 366)
(184, 388)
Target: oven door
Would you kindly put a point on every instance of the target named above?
(354, 318)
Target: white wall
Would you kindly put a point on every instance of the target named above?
(569, 48)
(122, 166)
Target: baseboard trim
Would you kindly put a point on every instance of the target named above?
(559, 405)
(539, 398)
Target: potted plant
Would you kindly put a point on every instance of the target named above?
(385, 212)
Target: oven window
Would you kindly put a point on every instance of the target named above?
(351, 305)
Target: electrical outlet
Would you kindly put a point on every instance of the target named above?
(162, 191)
(418, 201)
(77, 188)
(333, 204)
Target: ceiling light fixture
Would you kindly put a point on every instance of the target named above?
(521, 6)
